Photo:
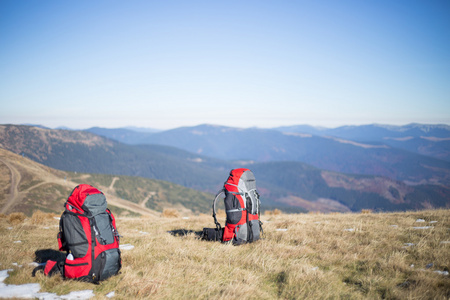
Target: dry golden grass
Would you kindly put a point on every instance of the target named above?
(39, 217)
(16, 218)
(170, 213)
(274, 212)
(302, 256)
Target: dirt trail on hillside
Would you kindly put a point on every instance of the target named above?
(144, 202)
(15, 197)
(112, 183)
(13, 191)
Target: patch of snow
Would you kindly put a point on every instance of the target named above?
(9, 228)
(394, 226)
(31, 290)
(420, 220)
(281, 229)
(432, 222)
(445, 273)
(185, 218)
(57, 218)
(445, 242)
(315, 268)
(143, 232)
(17, 291)
(35, 264)
(423, 227)
(411, 266)
(17, 242)
(85, 294)
(408, 244)
(126, 247)
(111, 294)
(349, 229)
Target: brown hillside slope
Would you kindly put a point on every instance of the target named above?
(28, 186)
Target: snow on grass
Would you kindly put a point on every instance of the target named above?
(111, 294)
(31, 291)
(126, 247)
(423, 227)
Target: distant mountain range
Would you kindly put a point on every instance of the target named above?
(429, 140)
(290, 185)
(421, 158)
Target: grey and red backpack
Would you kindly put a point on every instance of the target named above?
(242, 208)
(88, 233)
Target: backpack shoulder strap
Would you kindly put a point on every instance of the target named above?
(214, 208)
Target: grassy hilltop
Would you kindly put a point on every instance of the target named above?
(303, 256)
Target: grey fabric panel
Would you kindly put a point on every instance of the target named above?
(249, 180)
(74, 232)
(255, 229)
(255, 202)
(112, 264)
(105, 230)
(96, 203)
(241, 232)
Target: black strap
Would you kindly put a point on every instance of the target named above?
(214, 209)
(38, 268)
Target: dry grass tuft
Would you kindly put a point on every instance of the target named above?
(40, 218)
(366, 211)
(170, 213)
(274, 212)
(16, 218)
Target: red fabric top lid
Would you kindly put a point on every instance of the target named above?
(79, 193)
(235, 175)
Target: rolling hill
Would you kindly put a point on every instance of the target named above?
(28, 186)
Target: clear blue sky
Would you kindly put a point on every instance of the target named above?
(165, 64)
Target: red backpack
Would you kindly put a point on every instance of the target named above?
(87, 231)
(242, 207)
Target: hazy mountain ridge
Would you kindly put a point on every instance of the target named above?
(429, 140)
(281, 184)
(323, 151)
